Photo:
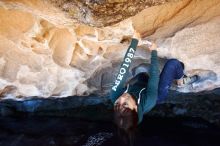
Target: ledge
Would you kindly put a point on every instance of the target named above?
(204, 105)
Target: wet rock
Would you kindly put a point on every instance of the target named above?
(205, 105)
(44, 131)
(98, 139)
(84, 107)
(6, 111)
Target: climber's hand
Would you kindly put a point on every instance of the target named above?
(137, 35)
(153, 47)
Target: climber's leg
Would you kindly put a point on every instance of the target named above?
(172, 70)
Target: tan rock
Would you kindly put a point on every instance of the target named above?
(62, 43)
(10, 70)
(93, 47)
(165, 20)
(79, 57)
(117, 1)
(45, 24)
(105, 34)
(15, 58)
(82, 30)
(40, 49)
(15, 22)
(5, 45)
(147, 21)
(39, 4)
(39, 38)
(115, 52)
(10, 89)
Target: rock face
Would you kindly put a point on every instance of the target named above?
(44, 52)
(104, 12)
(204, 105)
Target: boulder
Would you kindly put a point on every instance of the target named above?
(62, 43)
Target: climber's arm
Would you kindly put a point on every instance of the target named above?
(148, 101)
(118, 84)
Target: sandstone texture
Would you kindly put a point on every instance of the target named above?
(104, 12)
(46, 52)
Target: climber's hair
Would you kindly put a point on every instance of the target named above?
(126, 122)
(128, 119)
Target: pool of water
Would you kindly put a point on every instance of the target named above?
(54, 131)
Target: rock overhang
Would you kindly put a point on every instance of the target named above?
(54, 55)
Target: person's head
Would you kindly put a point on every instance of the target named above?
(126, 117)
(125, 112)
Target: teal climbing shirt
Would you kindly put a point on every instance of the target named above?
(145, 94)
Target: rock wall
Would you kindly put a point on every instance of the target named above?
(45, 52)
(104, 12)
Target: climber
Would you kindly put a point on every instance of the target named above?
(139, 95)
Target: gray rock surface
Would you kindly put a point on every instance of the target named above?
(204, 105)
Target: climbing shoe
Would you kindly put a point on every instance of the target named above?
(189, 79)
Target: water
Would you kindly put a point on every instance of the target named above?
(51, 131)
